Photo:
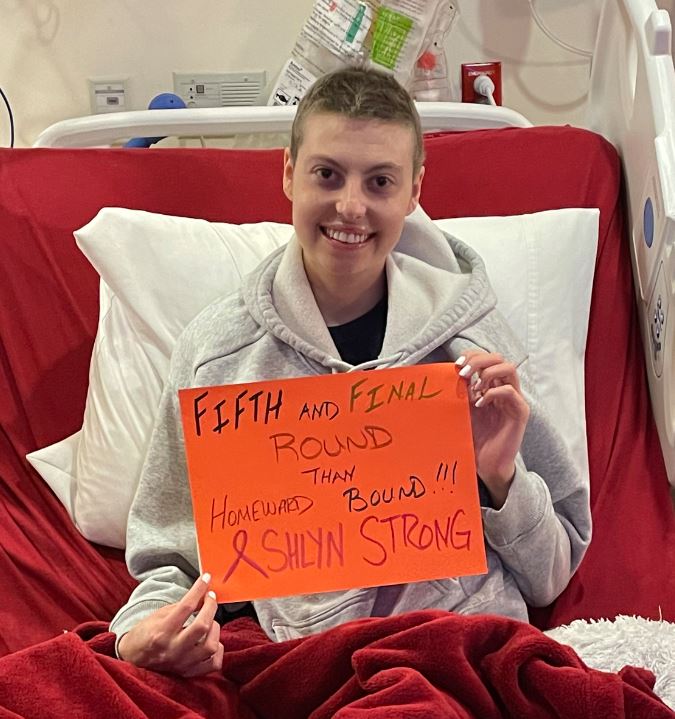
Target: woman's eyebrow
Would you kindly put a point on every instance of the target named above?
(385, 166)
(380, 167)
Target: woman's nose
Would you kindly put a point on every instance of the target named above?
(351, 202)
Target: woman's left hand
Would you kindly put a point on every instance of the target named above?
(499, 415)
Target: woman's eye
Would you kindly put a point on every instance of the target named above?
(381, 181)
(325, 173)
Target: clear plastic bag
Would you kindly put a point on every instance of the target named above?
(332, 37)
(430, 80)
(390, 35)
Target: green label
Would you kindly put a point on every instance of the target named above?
(356, 23)
(391, 31)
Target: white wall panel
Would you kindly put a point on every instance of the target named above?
(48, 49)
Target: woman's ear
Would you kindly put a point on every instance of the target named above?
(288, 175)
(416, 189)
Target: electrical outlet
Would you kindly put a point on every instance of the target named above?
(108, 95)
(471, 70)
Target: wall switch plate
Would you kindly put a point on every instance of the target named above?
(471, 70)
(108, 95)
(219, 89)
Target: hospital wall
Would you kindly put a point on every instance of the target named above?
(49, 48)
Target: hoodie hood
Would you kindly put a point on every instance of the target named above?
(438, 293)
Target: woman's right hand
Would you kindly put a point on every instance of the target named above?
(163, 643)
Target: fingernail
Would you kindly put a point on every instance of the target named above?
(476, 384)
(212, 595)
(480, 401)
(460, 361)
(206, 577)
(465, 371)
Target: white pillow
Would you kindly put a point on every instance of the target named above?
(157, 272)
(542, 275)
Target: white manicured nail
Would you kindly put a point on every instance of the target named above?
(460, 361)
(206, 577)
(212, 595)
(465, 371)
(480, 401)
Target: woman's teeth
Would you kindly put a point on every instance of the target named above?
(349, 238)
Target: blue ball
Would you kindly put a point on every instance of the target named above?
(166, 101)
(163, 101)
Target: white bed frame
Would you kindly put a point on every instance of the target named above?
(631, 103)
(96, 130)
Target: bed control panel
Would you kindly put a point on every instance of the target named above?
(653, 257)
(657, 313)
(658, 328)
(660, 345)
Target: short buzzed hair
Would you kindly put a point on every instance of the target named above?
(358, 94)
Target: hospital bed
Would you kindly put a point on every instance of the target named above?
(60, 589)
(631, 103)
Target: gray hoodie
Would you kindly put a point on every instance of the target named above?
(440, 304)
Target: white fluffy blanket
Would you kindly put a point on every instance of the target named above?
(610, 645)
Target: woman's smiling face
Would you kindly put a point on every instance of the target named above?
(351, 186)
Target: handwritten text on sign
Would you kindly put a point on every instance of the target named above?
(334, 482)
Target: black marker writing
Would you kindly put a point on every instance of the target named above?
(326, 409)
(330, 476)
(243, 405)
(357, 503)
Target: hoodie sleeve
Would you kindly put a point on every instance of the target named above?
(542, 531)
(161, 545)
(161, 540)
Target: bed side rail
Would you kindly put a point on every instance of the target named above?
(632, 103)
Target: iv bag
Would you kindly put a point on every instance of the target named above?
(430, 79)
(399, 32)
(332, 38)
(388, 35)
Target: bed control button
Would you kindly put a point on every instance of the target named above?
(657, 326)
(657, 316)
(648, 222)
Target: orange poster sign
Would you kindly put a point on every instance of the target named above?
(334, 482)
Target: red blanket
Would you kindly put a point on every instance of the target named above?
(424, 664)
